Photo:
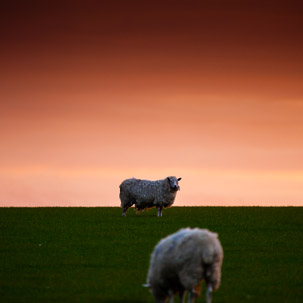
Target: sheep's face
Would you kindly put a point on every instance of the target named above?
(173, 183)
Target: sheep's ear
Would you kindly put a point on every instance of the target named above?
(179, 179)
(168, 179)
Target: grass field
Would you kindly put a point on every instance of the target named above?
(95, 255)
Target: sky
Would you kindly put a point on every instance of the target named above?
(94, 92)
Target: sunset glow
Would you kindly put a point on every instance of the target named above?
(92, 94)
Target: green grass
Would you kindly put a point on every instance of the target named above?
(95, 255)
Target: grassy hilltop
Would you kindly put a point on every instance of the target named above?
(95, 255)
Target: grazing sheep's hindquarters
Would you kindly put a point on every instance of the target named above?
(146, 194)
(181, 261)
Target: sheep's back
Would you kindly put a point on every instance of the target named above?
(141, 189)
(186, 250)
(165, 257)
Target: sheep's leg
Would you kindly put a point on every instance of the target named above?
(209, 293)
(191, 296)
(182, 296)
(124, 211)
(171, 296)
(159, 211)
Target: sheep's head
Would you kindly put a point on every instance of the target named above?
(173, 183)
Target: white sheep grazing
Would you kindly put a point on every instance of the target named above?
(181, 261)
(146, 194)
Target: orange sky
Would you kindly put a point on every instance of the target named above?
(92, 94)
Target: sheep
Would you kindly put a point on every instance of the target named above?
(181, 261)
(147, 194)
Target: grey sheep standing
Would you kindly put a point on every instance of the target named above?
(146, 194)
(181, 261)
